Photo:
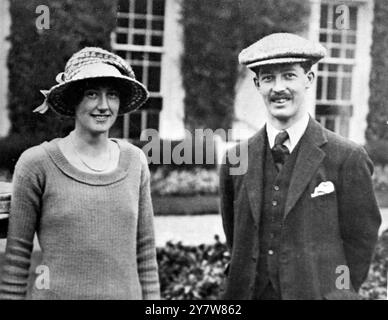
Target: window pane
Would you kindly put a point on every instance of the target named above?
(134, 125)
(336, 38)
(154, 103)
(155, 57)
(347, 68)
(136, 55)
(350, 53)
(154, 79)
(117, 129)
(141, 6)
(139, 39)
(123, 6)
(324, 9)
(333, 67)
(123, 22)
(153, 120)
(353, 18)
(157, 25)
(331, 88)
(330, 124)
(138, 70)
(346, 88)
(158, 7)
(351, 39)
(335, 53)
(322, 37)
(319, 88)
(157, 41)
(122, 54)
(140, 24)
(122, 38)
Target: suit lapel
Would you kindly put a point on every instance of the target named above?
(254, 177)
(310, 155)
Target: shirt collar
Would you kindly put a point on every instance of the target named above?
(295, 132)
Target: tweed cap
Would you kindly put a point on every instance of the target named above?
(280, 48)
(94, 63)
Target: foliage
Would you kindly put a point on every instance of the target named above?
(184, 182)
(214, 32)
(378, 108)
(37, 56)
(378, 151)
(380, 178)
(375, 287)
(192, 272)
(12, 147)
(193, 153)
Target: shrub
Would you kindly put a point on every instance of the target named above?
(378, 82)
(162, 151)
(375, 287)
(184, 182)
(12, 147)
(378, 151)
(380, 178)
(192, 272)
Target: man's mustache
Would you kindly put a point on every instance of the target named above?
(280, 96)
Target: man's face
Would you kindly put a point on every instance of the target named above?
(283, 87)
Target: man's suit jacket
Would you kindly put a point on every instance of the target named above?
(321, 236)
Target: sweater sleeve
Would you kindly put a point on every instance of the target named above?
(25, 207)
(146, 251)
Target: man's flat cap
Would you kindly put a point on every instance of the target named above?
(281, 48)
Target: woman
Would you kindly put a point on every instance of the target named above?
(86, 196)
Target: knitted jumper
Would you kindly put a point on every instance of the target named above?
(95, 230)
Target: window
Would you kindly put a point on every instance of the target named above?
(334, 82)
(139, 40)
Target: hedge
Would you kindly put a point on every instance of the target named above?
(378, 83)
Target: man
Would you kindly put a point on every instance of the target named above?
(302, 222)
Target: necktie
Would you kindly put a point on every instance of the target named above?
(279, 151)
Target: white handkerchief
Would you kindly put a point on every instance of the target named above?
(324, 187)
(4, 216)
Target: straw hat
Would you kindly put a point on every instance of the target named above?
(279, 48)
(93, 63)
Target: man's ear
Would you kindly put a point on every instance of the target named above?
(310, 78)
(256, 81)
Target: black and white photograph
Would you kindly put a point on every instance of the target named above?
(193, 150)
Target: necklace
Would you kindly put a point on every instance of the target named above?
(85, 163)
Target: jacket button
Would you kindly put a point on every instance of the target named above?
(270, 252)
(276, 188)
(274, 203)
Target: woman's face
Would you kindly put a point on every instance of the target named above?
(98, 109)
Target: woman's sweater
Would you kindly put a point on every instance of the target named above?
(95, 230)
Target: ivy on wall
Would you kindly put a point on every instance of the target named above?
(378, 101)
(214, 32)
(37, 56)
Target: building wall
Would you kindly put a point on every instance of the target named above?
(5, 22)
(171, 124)
(361, 91)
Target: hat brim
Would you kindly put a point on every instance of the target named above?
(284, 60)
(133, 95)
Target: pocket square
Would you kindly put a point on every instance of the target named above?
(324, 187)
